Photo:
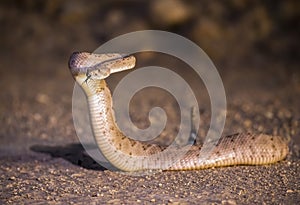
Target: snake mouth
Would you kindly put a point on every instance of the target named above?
(83, 63)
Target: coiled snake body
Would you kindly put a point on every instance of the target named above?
(90, 70)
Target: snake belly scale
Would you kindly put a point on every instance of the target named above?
(90, 70)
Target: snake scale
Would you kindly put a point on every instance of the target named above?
(90, 70)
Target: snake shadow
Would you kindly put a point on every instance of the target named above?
(74, 153)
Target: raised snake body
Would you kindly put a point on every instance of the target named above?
(90, 70)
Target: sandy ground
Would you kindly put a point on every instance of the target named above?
(42, 161)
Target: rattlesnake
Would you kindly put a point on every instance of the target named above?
(90, 70)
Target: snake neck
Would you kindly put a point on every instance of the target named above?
(114, 145)
(101, 111)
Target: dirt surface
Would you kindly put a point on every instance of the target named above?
(255, 48)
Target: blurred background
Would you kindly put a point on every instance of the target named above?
(227, 31)
(254, 45)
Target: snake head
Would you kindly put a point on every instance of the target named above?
(85, 66)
